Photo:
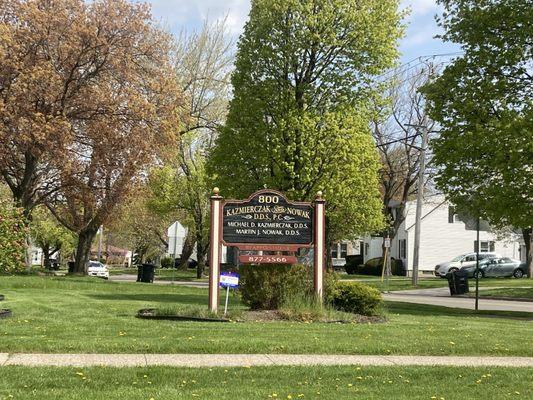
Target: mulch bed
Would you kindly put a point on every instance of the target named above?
(276, 315)
(150, 313)
(4, 313)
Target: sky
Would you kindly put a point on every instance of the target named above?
(188, 15)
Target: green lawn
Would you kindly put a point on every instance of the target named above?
(347, 382)
(403, 283)
(515, 292)
(54, 315)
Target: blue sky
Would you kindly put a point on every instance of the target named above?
(178, 15)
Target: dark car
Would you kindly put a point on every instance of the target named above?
(191, 263)
(497, 268)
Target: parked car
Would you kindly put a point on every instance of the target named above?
(464, 260)
(95, 268)
(497, 268)
(191, 263)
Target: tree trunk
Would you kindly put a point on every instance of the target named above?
(188, 248)
(527, 234)
(85, 239)
(201, 252)
(46, 254)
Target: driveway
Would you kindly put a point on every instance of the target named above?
(441, 297)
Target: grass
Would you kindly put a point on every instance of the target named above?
(346, 382)
(513, 293)
(86, 315)
(404, 283)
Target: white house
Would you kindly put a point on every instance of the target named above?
(443, 236)
(176, 239)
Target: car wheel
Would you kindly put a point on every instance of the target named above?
(453, 270)
(480, 274)
(518, 273)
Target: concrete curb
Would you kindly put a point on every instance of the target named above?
(249, 360)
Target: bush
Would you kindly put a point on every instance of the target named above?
(352, 262)
(356, 297)
(374, 267)
(12, 238)
(167, 262)
(265, 287)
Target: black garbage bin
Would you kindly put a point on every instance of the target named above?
(145, 273)
(458, 282)
(71, 267)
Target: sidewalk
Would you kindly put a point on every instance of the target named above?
(249, 360)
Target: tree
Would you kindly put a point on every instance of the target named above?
(483, 103)
(12, 237)
(298, 121)
(128, 111)
(136, 226)
(203, 62)
(50, 236)
(397, 132)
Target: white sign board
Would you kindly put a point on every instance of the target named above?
(386, 242)
(229, 280)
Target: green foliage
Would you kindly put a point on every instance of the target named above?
(356, 297)
(167, 262)
(306, 308)
(374, 266)
(266, 287)
(48, 234)
(12, 238)
(298, 121)
(483, 102)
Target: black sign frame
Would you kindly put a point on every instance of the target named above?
(264, 241)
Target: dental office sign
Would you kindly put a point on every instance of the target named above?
(266, 222)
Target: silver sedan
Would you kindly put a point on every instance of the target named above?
(498, 268)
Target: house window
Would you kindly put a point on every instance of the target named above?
(344, 250)
(334, 251)
(402, 248)
(362, 248)
(486, 246)
(367, 248)
(453, 217)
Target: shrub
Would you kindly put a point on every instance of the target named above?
(167, 262)
(12, 238)
(356, 297)
(375, 265)
(265, 287)
(352, 262)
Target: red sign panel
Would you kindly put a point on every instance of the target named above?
(268, 247)
(268, 259)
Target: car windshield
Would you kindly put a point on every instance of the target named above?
(95, 265)
(458, 258)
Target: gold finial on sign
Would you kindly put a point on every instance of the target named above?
(319, 194)
(216, 191)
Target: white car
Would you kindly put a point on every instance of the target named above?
(95, 268)
(464, 260)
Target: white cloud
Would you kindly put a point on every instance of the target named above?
(178, 14)
(420, 7)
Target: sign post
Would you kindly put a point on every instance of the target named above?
(214, 250)
(320, 239)
(271, 226)
(228, 280)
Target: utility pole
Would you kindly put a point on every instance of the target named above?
(419, 201)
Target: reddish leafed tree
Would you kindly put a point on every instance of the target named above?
(90, 98)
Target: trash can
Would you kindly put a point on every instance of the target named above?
(145, 273)
(458, 282)
(70, 267)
